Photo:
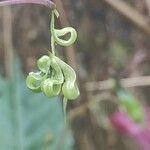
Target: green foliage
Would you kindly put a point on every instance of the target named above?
(131, 105)
(129, 102)
(30, 121)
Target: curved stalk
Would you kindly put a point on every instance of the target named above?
(46, 3)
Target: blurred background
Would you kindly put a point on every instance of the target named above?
(113, 43)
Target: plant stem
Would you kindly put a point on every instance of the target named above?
(46, 3)
(8, 45)
(64, 109)
(52, 35)
(53, 45)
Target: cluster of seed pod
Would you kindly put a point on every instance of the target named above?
(54, 76)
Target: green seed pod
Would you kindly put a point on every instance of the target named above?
(69, 88)
(34, 80)
(56, 33)
(44, 63)
(57, 74)
(52, 86)
(49, 88)
(62, 32)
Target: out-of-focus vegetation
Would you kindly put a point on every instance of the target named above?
(30, 121)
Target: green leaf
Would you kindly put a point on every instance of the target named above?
(30, 121)
(131, 105)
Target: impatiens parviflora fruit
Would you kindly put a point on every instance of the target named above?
(55, 76)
